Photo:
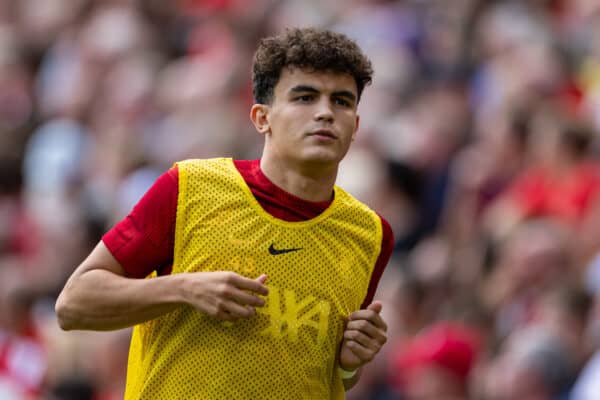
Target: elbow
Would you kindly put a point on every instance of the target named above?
(63, 315)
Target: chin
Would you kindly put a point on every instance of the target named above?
(322, 158)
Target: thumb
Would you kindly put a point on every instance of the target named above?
(375, 306)
(262, 278)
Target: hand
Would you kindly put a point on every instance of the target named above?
(364, 336)
(224, 295)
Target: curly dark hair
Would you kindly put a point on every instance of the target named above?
(311, 49)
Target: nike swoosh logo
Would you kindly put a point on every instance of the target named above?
(275, 252)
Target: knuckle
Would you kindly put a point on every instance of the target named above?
(229, 277)
(362, 324)
(222, 289)
(220, 305)
(227, 291)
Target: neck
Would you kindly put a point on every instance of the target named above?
(312, 183)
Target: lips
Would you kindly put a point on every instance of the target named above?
(324, 133)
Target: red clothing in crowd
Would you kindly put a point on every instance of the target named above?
(568, 198)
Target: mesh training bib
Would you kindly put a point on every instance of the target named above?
(318, 273)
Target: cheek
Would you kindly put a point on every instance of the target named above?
(350, 120)
(350, 127)
(287, 119)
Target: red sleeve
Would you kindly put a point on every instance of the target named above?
(143, 241)
(387, 245)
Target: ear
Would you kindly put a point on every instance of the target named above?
(258, 116)
(356, 125)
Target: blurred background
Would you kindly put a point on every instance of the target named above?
(478, 143)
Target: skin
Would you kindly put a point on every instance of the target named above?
(98, 296)
(308, 129)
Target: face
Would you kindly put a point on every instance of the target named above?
(312, 119)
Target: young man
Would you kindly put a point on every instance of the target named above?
(265, 269)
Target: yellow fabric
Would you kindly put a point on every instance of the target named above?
(289, 349)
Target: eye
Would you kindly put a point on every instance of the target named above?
(305, 98)
(340, 101)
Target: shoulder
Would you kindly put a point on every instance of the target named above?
(361, 208)
(204, 167)
(348, 200)
(203, 163)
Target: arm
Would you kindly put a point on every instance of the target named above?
(98, 296)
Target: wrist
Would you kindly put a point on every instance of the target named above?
(346, 374)
(179, 289)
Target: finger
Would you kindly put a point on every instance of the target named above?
(250, 284)
(368, 315)
(225, 316)
(376, 306)
(262, 279)
(362, 339)
(367, 328)
(245, 298)
(363, 353)
(238, 311)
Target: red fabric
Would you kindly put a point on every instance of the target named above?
(274, 200)
(193, 6)
(572, 97)
(144, 240)
(387, 245)
(568, 198)
(451, 346)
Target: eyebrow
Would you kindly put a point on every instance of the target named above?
(309, 89)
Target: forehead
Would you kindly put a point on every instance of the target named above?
(323, 81)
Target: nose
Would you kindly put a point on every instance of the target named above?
(324, 111)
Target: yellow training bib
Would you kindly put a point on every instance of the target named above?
(318, 273)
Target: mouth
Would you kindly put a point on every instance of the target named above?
(324, 133)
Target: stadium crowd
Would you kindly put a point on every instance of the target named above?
(478, 143)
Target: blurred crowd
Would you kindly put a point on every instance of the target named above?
(479, 143)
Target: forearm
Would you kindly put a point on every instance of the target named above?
(101, 300)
